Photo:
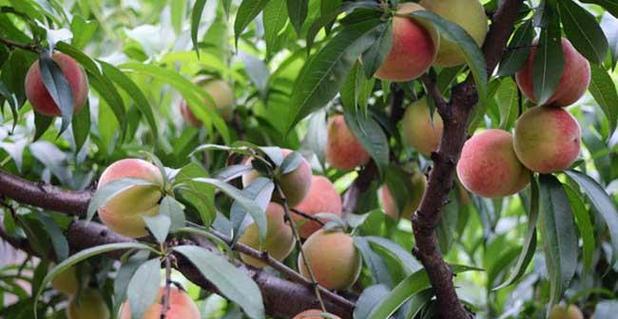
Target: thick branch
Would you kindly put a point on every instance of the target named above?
(455, 116)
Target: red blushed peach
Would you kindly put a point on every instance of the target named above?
(89, 304)
(414, 48)
(334, 259)
(279, 241)
(547, 139)
(421, 130)
(220, 92)
(343, 150)
(574, 79)
(181, 307)
(489, 167)
(313, 314)
(322, 198)
(419, 182)
(124, 212)
(562, 312)
(37, 93)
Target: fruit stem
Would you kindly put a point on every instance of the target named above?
(288, 216)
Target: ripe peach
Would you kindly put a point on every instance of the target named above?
(295, 184)
(37, 93)
(419, 182)
(547, 139)
(313, 314)
(419, 130)
(562, 312)
(220, 92)
(279, 241)
(123, 213)
(181, 307)
(488, 166)
(66, 282)
(322, 198)
(414, 47)
(333, 257)
(574, 79)
(468, 14)
(89, 304)
(343, 150)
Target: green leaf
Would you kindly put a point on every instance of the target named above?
(602, 203)
(559, 236)
(369, 298)
(609, 5)
(112, 189)
(159, 226)
(606, 309)
(297, 10)
(124, 275)
(173, 209)
(198, 195)
(609, 24)
(260, 191)
(583, 30)
(41, 124)
(196, 16)
(603, 89)
(405, 258)
(58, 241)
(549, 60)
(320, 79)
(58, 87)
(83, 255)
(82, 30)
(472, 53)
(275, 17)
(529, 247)
(585, 226)
(518, 50)
(232, 282)
(371, 135)
(507, 98)
(291, 162)
(247, 11)
(81, 127)
(144, 287)
(134, 91)
(374, 262)
(375, 55)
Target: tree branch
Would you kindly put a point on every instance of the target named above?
(425, 220)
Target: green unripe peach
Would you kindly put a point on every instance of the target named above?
(89, 304)
(547, 139)
(294, 185)
(343, 150)
(222, 95)
(39, 96)
(279, 241)
(418, 184)
(468, 14)
(66, 281)
(313, 314)
(124, 212)
(414, 47)
(562, 312)
(334, 259)
(489, 167)
(420, 130)
(322, 198)
(181, 307)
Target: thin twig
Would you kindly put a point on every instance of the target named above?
(307, 216)
(25, 46)
(429, 82)
(288, 216)
(168, 281)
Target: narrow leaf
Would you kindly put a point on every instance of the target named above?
(144, 287)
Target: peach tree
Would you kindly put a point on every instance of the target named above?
(308, 159)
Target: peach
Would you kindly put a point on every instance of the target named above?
(39, 96)
(574, 79)
(334, 259)
(181, 307)
(220, 92)
(547, 139)
(89, 304)
(418, 183)
(313, 314)
(124, 212)
(343, 150)
(414, 47)
(562, 312)
(294, 185)
(322, 198)
(489, 167)
(66, 282)
(279, 241)
(468, 14)
(420, 130)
